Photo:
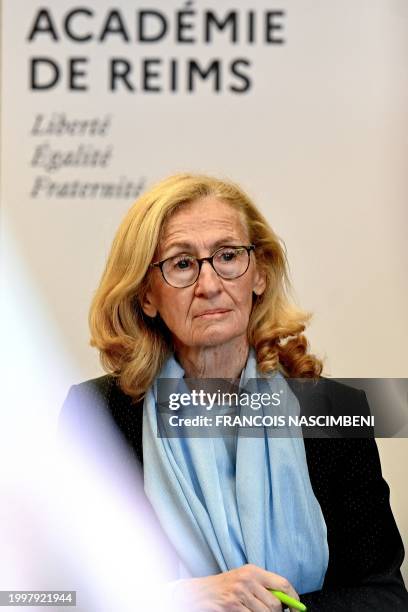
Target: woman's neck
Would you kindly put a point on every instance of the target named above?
(224, 361)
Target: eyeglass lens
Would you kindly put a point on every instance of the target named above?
(228, 262)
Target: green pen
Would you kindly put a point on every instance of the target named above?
(289, 601)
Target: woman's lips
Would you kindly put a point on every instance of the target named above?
(207, 314)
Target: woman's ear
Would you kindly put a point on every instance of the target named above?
(259, 281)
(148, 305)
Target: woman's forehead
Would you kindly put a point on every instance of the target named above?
(207, 217)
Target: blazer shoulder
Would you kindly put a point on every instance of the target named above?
(101, 401)
(102, 385)
(340, 395)
(96, 396)
(104, 389)
(336, 387)
(344, 398)
(332, 386)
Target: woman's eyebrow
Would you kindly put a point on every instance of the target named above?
(189, 246)
(177, 244)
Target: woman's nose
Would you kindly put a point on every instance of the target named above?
(208, 282)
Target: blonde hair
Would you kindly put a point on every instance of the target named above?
(133, 347)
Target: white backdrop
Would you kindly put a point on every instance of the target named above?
(318, 139)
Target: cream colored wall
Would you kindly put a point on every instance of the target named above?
(320, 142)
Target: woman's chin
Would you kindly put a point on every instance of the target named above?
(215, 337)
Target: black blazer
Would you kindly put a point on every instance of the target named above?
(365, 547)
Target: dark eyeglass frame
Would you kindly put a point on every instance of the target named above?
(201, 260)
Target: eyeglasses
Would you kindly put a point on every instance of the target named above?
(229, 262)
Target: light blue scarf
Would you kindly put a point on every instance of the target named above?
(226, 501)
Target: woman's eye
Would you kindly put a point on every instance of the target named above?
(183, 263)
(228, 255)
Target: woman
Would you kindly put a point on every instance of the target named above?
(196, 287)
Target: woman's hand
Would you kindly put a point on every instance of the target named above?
(238, 590)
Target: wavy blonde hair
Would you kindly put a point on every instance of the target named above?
(133, 347)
